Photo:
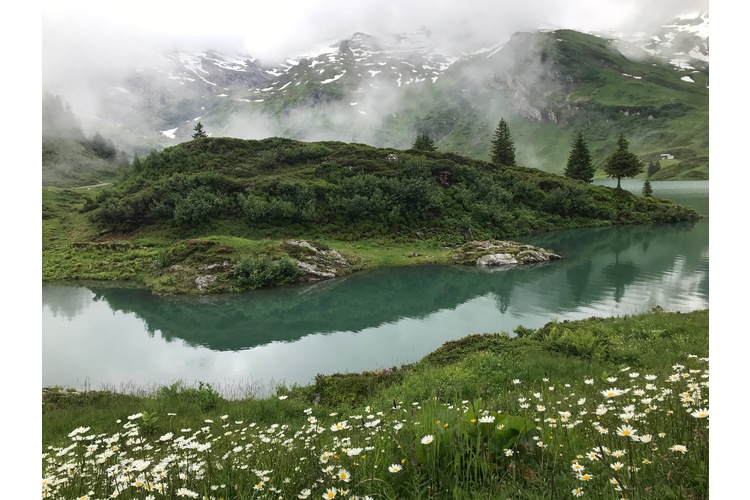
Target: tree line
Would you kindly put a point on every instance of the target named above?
(621, 163)
(580, 166)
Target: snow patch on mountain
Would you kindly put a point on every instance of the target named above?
(169, 133)
(695, 53)
(336, 77)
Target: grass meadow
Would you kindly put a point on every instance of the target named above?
(599, 408)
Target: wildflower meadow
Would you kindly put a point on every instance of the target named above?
(625, 433)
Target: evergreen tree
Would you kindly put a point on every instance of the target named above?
(199, 132)
(579, 164)
(424, 142)
(647, 189)
(103, 148)
(503, 149)
(623, 163)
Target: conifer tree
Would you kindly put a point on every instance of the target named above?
(579, 161)
(136, 162)
(647, 189)
(199, 132)
(503, 149)
(424, 142)
(623, 163)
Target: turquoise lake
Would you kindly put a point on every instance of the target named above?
(104, 336)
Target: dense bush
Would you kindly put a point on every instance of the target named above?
(197, 208)
(352, 191)
(260, 271)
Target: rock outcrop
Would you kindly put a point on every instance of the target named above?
(496, 253)
(317, 262)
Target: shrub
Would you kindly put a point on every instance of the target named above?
(254, 208)
(197, 208)
(267, 159)
(260, 271)
(112, 211)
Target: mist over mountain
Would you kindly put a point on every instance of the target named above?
(383, 90)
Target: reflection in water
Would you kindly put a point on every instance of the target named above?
(366, 300)
(66, 301)
(364, 321)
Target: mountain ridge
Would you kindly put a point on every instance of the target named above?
(384, 90)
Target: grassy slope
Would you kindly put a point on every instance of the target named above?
(69, 163)
(457, 370)
(602, 102)
(658, 112)
(492, 372)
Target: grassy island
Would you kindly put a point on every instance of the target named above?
(218, 214)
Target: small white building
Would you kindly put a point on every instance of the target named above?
(666, 156)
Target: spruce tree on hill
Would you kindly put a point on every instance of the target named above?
(579, 161)
(199, 132)
(503, 149)
(424, 142)
(623, 163)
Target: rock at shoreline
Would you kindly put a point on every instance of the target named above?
(496, 259)
(318, 263)
(497, 253)
(204, 281)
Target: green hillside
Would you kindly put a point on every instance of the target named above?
(69, 163)
(560, 82)
(69, 157)
(350, 191)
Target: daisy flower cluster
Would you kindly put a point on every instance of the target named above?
(620, 434)
(621, 430)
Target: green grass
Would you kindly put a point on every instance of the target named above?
(487, 416)
(385, 253)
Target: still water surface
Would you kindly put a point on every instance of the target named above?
(122, 338)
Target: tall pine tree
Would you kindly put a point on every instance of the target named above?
(623, 163)
(579, 161)
(503, 149)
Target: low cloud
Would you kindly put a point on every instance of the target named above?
(91, 45)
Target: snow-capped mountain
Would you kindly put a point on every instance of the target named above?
(683, 42)
(380, 89)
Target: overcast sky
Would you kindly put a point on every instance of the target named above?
(278, 28)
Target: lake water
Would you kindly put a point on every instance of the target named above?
(127, 339)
